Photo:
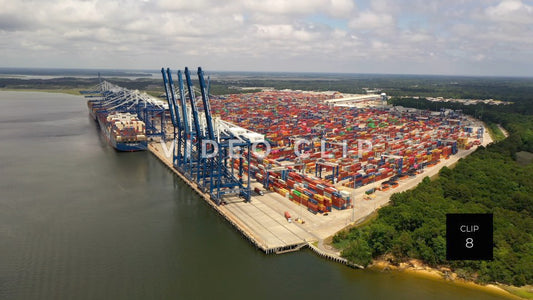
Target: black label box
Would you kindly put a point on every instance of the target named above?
(469, 236)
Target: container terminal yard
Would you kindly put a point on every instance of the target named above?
(288, 169)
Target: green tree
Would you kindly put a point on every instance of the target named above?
(380, 238)
(402, 246)
(358, 252)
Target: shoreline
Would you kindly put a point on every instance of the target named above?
(417, 268)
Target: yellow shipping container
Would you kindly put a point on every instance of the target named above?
(283, 192)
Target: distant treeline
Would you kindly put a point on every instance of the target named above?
(500, 88)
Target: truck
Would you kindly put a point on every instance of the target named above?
(288, 217)
(258, 191)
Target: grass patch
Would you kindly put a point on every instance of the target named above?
(345, 242)
(368, 219)
(342, 244)
(524, 157)
(525, 292)
(495, 133)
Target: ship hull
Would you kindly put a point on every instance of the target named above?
(129, 146)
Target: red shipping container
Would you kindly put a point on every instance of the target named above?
(290, 183)
(312, 206)
(330, 190)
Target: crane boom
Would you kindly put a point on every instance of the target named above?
(192, 99)
(169, 100)
(172, 91)
(183, 101)
(207, 105)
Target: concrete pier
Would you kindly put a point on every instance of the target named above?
(264, 227)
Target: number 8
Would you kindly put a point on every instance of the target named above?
(469, 243)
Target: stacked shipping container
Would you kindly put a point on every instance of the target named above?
(400, 142)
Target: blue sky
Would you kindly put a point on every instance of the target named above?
(459, 37)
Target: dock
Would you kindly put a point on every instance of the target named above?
(264, 227)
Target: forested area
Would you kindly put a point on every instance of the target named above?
(488, 181)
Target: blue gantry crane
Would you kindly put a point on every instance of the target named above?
(112, 98)
(174, 115)
(183, 160)
(197, 161)
(206, 148)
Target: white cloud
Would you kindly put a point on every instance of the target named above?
(278, 35)
(513, 11)
(335, 8)
(283, 32)
(371, 20)
(340, 8)
(479, 57)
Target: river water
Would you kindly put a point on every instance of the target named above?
(80, 221)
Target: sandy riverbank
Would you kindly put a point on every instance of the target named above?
(417, 268)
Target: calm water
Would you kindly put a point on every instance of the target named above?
(81, 221)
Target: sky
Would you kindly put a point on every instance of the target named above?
(452, 37)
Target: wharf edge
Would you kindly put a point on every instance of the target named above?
(242, 228)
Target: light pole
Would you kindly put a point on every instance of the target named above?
(353, 207)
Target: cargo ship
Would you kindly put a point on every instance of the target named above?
(123, 130)
(94, 107)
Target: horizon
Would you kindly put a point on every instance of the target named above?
(42, 71)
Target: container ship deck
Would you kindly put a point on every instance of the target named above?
(123, 130)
